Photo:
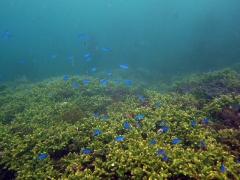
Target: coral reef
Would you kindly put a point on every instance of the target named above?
(59, 121)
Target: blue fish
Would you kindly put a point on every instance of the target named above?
(89, 37)
(106, 49)
(206, 120)
(0, 75)
(164, 128)
(139, 116)
(119, 138)
(175, 140)
(88, 58)
(85, 80)
(152, 141)
(79, 36)
(126, 81)
(104, 117)
(85, 54)
(142, 98)
(158, 104)
(160, 151)
(77, 75)
(237, 106)
(53, 56)
(74, 85)
(126, 125)
(108, 73)
(41, 156)
(165, 157)
(222, 168)
(96, 132)
(85, 44)
(93, 69)
(21, 61)
(102, 82)
(194, 123)
(65, 77)
(187, 91)
(85, 151)
(138, 124)
(6, 31)
(124, 66)
(95, 115)
(116, 80)
(202, 144)
(70, 57)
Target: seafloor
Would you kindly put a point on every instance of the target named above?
(70, 129)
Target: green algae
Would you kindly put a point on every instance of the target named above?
(55, 118)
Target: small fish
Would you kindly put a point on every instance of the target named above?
(80, 36)
(138, 124)
(175, 140)
(6, 31)
(165, 157)
(96, 47)
(85, 44)
(89, 37)
(74, 85)
(85, 80)
(96, 132)
(104, 117)
(106, 49)
(187, 91)
(152, 141)
(124, 66)
(194, 123)
(93, 69)
(158, 104)
(65, 77)
(88, 58)
(139, 116)
(41, 156)
(53, 56)
(164, 128)
(222, 168)
(160, 151)
(21, 61)
(85, 54)
(142, 98)
(126, 81)
(102, 82)
(95, 115)
(70, 57)
(108, 73)
(77, 75)
(116, 80)
(202, 144)
(85, 151)
(126, 125)
(119, 138)
(206, 120)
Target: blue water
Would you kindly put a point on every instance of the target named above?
(162, 37)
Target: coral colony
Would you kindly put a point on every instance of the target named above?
(80, 127)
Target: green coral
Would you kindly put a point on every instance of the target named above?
(55, 118)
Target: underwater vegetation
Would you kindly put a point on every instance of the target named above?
(80, 127)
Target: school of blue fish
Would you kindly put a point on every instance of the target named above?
(86, 56)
